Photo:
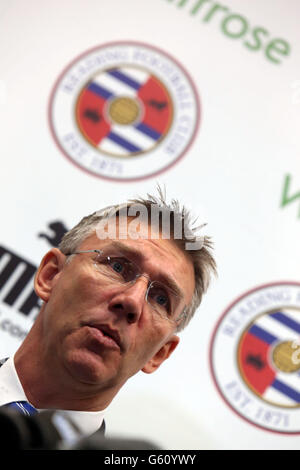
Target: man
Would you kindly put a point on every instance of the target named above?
(115, 294)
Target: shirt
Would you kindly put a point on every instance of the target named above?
(11, 389)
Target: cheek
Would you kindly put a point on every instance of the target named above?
(83, 288)
(69, 298)
(149, 340)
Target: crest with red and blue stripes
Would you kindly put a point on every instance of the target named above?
(269, 357)
(124, 111)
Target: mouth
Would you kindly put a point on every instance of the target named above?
(107, 335)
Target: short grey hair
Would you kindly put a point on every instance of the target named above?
(203, 261)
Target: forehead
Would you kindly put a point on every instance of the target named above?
(157, 256)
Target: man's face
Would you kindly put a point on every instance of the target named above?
(103, 333)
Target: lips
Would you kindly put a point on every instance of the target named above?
(107, 332)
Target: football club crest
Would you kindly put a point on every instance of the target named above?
(255, 357)
(124, 111)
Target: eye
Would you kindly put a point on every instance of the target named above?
(123, 268)
(159, 297)
(162, 299)
(117, 266)
(110, 266)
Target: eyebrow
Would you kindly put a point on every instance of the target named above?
(136, 254)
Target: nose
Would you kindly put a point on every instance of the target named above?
(129, 300)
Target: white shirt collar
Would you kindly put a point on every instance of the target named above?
(11, 389)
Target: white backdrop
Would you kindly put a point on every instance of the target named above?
(229, 150)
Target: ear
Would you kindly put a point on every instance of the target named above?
(164, 352)
(46, 275)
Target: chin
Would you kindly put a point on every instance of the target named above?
(86, 367)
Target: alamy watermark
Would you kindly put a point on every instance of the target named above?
(138, 221)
